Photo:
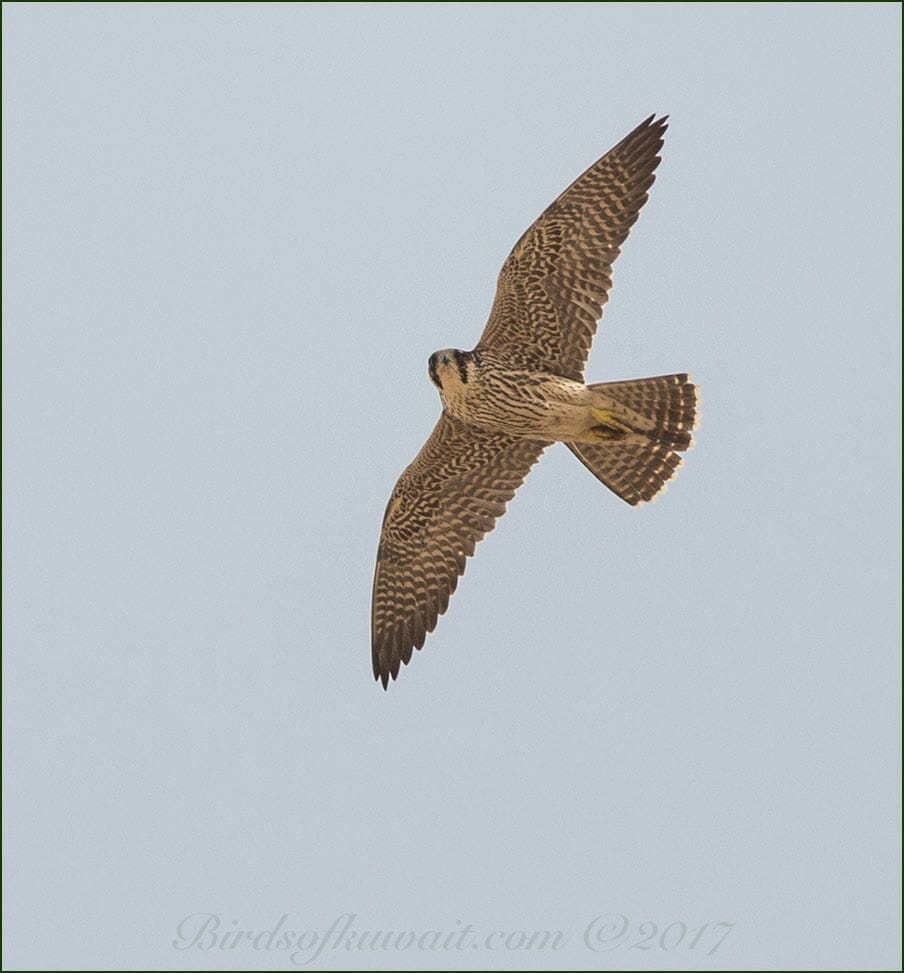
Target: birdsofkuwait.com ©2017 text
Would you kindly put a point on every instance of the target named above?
(208, 932)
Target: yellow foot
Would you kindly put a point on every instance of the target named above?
(609, 422)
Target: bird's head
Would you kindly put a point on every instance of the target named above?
(449, 368)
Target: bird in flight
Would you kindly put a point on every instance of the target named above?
(521, 389)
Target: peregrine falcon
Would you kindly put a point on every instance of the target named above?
(522, 389)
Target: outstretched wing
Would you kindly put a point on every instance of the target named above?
(443, 504)
(552, 288)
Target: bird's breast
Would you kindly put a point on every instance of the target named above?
(513, 401)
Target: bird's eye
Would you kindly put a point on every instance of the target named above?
(431, 370)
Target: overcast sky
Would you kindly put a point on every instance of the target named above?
(232, 237)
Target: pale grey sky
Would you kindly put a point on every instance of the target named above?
(232, 237)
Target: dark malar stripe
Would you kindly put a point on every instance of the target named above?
(461, 362)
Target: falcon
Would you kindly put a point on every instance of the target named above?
(522, 389)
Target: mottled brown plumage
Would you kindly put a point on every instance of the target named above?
(552, 287)
(520, 390)
(443, 504)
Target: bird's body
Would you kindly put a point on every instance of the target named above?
(493, 392)
(488, 390)
(521, 389)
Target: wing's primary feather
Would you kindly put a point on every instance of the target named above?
(444, 503)
(552, 288)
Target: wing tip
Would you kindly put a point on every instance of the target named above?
(392, 649)
(384, 669)
(654, 121)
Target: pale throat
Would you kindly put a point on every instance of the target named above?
(454, 393)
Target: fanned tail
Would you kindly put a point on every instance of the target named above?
(662, 413)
